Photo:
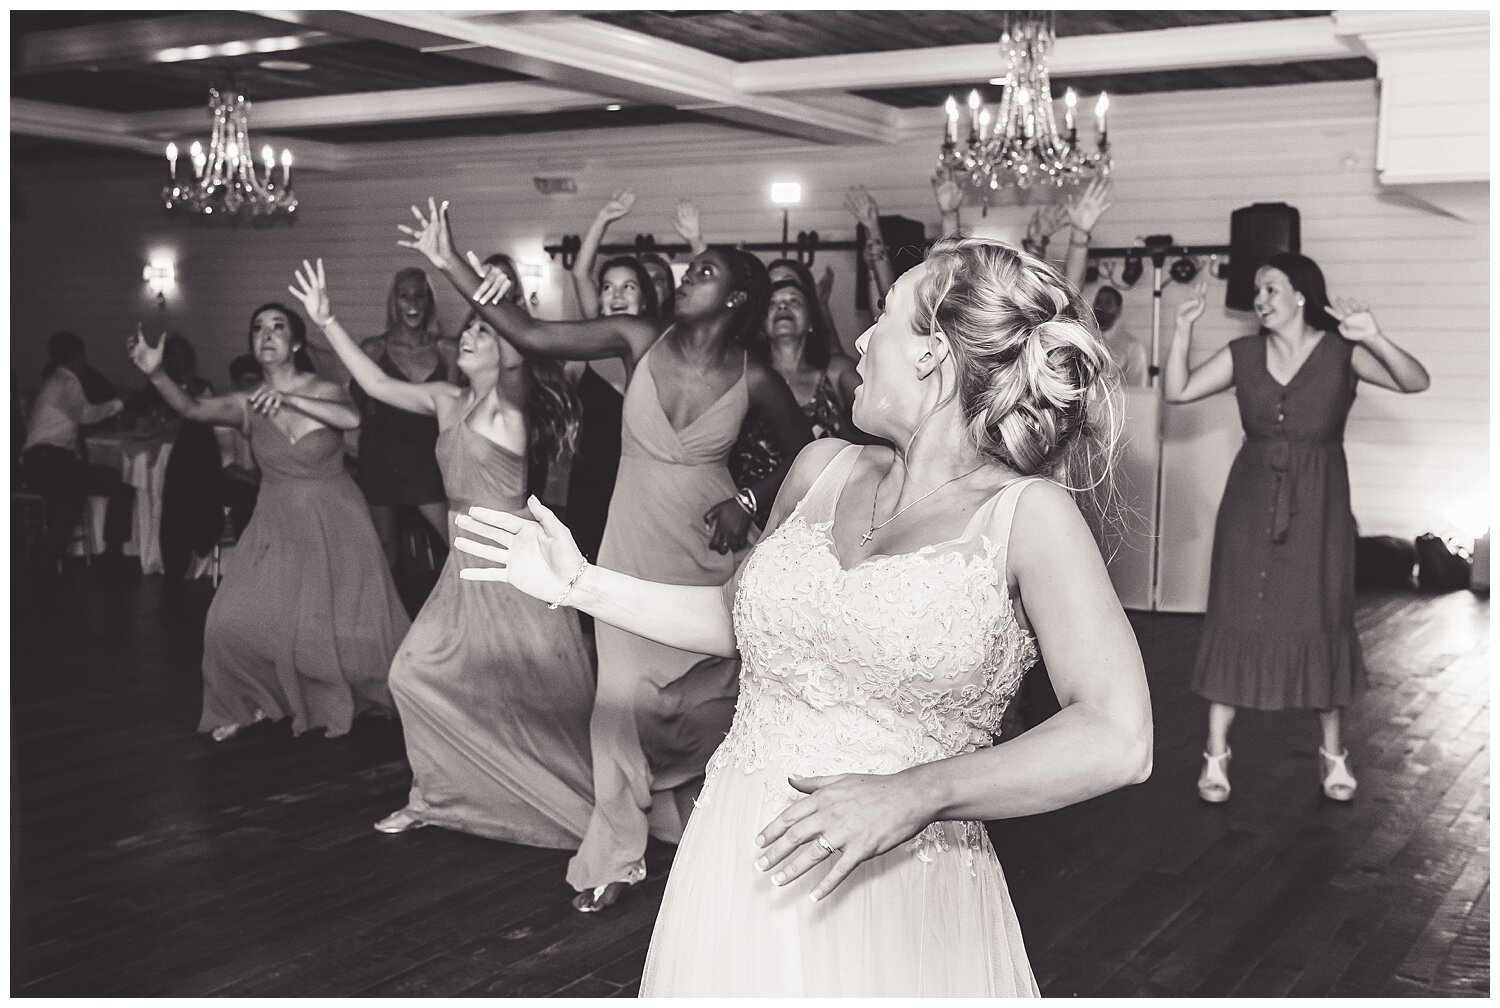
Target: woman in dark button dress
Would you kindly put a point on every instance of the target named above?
(397, 462)
(1280, 627)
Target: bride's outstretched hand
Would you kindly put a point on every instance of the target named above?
(537, 557)
(312, 290)
(858, 816)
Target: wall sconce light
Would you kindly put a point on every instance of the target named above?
(159, 277)
(785, 195)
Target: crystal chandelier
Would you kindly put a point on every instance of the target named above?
(1024, 148)
(225, 181)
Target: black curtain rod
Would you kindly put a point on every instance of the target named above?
(568, 249)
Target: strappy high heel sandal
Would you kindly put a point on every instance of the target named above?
(605, 896)
(1338, 782)
(1213, 782)
(399, 821)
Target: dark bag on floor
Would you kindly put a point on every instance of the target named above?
(1440, 566)
(1384, 562)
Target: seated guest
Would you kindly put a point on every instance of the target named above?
(241, 482)
(53, 462)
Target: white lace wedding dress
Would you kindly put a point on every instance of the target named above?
(902, 660)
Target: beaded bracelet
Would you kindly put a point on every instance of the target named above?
(746, 500)
(581, 568)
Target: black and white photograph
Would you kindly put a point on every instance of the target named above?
(720, 503)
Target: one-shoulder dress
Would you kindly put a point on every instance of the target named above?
(494, 688)
(659, 712)
(900, 660)
(307, 620)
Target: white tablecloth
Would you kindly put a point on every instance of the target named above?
(143, 465)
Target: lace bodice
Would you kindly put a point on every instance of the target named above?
(898, 661)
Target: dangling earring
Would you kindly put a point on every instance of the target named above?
(1301, 302)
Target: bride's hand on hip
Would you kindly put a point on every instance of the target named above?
(538, 557)
(856, 816)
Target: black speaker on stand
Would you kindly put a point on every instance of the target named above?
(1256, 233)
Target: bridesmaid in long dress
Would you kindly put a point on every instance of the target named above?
(885, 622)
(1279, 633)
(659, 711)
(494, 702)
(307, 619)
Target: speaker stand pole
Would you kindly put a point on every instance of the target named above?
(1158, 260)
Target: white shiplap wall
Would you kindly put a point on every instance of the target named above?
(1183, 162)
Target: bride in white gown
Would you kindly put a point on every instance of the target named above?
(885, 621)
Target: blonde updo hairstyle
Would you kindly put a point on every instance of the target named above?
(1038, 388)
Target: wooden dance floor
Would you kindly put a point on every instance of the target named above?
(146, 860)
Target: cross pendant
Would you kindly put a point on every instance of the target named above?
(866, 537)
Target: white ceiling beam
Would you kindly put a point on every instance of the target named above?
(590, 56)
(1254, 42)
(178, 38)
(460, 101)
(113, 129)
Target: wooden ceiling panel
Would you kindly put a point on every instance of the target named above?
(1198, 79)
(339, 68)
(745, 36)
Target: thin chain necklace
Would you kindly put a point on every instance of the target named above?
(875, 501)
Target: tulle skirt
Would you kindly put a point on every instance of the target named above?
(931, 918)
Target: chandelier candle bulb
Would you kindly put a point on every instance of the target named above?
(269, 157)
(950, 111)
(1101, 109)
(286, 168)
(984, 123)
(973, 115)
(1070, 99)
(172, 161)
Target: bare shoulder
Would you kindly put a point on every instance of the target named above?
(1047, 525)
(809, 465)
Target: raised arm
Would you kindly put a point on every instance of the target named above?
(624, 336)
(1377, 359)
(1084, 210)
(1182, 384)
(689, 226)
(950, 196)
(588, 251)
(311, 289)
(861, 204)
(225, 410)
(1100, 740)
